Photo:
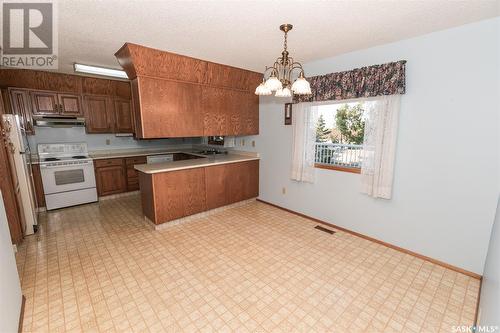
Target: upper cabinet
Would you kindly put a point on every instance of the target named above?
(106, 104)
(53, 103)
(179, 96)
(98, 114)
(123, 116)
(20, 104)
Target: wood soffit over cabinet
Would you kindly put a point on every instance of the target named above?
(138, 60)
(63, 83)
(176, 96)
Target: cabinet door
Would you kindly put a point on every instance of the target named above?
(249, 114)
(217, 103)
(70, 105)
(242, 181)
(169, 109)
(98, 114)
(178, 194)
(215, 180)
(229, 112)
(21, 105)
(44, 102)
(123, 116)
(37, 180)
(110, 180)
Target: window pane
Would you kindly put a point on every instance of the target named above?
(340, 133)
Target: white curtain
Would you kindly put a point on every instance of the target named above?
(379, 147)
(304, 117)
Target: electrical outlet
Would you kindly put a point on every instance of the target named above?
(283, 190)
(253, 143)
(242, 142)
(108, 142)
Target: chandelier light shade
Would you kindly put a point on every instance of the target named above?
(282, 72)
(262, 90)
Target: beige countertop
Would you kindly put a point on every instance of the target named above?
(121, 153)
(196, 163)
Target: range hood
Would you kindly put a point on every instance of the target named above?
(52, 121)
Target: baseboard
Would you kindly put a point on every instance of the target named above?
(476, 316)
(21, 315)
(394, 247)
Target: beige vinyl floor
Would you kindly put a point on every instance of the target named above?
(253, 268)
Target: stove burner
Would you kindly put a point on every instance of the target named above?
(50, 159)
(78, 157)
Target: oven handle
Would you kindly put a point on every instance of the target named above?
(42, 166)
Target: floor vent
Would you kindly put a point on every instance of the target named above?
(331, 232)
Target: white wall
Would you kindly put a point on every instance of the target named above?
(447, 160)
(10, 288)
(98, 141)
(489, 307)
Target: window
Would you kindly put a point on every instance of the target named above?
(339, 136)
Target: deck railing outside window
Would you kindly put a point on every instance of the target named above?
(339, 154)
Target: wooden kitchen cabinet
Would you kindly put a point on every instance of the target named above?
(178, 194)
(242, 181)
(123, 116)
(21, 105)
(37, 182)
(171, 195)
(70, 104)
(117, 175)
(178, 96)
(230, 183)
(44, 102)
(132, 174)
(110, 176)
(215, 183)
(229, 112)
(169, 109)
(56, 104)
(98, 114)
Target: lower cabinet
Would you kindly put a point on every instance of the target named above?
(171, 195)
(117, 175)
(37, 182)
(132, 174)
(110, 176)
(230, 183)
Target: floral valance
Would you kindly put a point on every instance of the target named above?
(377, 80)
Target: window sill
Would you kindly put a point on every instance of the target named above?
(337, 168)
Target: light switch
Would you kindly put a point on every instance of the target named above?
(108, 142)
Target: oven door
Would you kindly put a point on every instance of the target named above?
(64, 178)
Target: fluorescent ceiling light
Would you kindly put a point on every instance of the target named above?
(100, 71)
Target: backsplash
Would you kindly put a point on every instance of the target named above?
(98, 141)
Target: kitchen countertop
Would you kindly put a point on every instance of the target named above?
(196, 163)
(121, 153)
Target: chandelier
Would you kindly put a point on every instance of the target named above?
(280, 75)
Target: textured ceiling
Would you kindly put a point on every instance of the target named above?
(245, 33)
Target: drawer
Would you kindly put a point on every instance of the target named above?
(108, 162)
(135, 160)
(131, 172)
(132, 184)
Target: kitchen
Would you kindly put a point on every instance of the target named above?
(246, 166)
(61, 113)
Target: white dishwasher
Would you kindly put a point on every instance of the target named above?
(151, 159)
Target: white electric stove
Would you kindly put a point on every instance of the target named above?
(67, 174)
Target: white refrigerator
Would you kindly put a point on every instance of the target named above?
(20, 163)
